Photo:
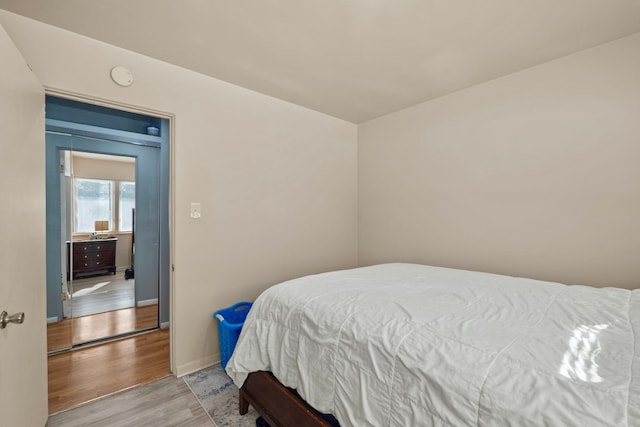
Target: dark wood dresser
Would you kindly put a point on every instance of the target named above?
(90, 257)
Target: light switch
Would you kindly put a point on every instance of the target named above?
(196, 211)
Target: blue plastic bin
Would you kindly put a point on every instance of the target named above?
(230, 322)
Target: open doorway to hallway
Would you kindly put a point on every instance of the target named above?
(107, 235)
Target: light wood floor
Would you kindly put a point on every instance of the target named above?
(167, 402)
(61, 335)
(98, 294)
(79, 376)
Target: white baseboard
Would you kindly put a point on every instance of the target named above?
(52, 319)
(191, 367)
(164, 325)
(144, 302)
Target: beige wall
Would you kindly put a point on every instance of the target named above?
(535, 174)
(277, 182)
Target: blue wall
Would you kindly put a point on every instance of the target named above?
(95, 115)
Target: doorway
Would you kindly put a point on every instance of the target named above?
(107, 223)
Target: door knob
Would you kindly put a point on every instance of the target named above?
(14, 318)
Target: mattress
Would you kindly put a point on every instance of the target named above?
(414, 345)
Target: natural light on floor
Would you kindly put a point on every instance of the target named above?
(87, 291)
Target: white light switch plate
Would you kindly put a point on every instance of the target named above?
(196, 210)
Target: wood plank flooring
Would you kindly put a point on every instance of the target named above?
(167, 402)
(98, 294)
(79, 376)
(61, 335)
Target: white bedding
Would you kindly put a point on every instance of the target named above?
(412, 345)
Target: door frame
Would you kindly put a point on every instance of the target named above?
(167, 173)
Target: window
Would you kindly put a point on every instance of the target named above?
(94, 199)
(126, 202)
(103, 200)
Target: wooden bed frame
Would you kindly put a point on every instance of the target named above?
(278, 405)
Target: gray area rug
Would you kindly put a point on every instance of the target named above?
(219, 397)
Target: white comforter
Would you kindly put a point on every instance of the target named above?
(412, 345)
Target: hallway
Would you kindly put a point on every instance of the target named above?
(83, 375)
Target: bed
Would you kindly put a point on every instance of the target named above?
(415, 345)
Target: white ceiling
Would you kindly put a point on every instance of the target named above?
(353, 59)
